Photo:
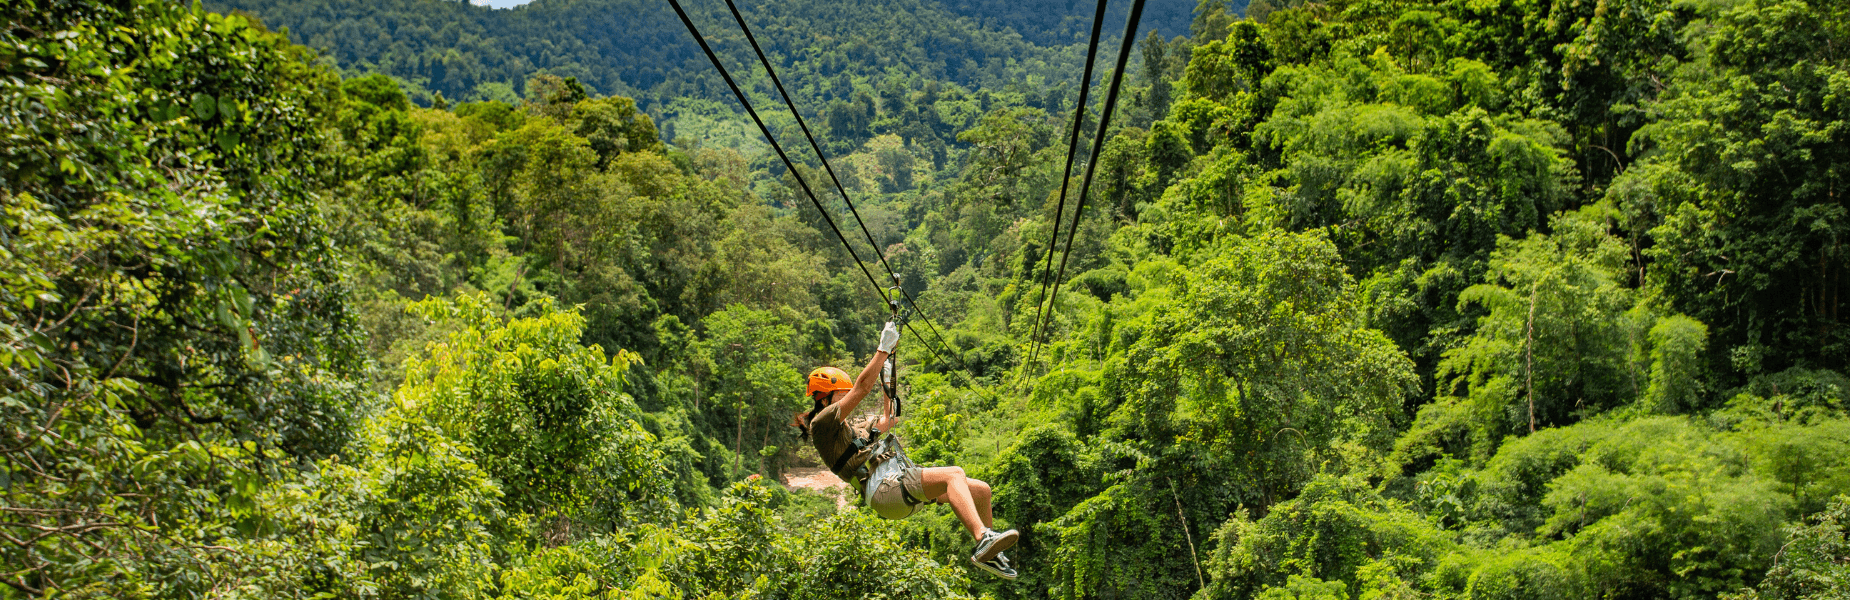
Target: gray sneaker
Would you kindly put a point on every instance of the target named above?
(993, 543)
(998, 566)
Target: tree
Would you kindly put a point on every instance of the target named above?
(1337, 535)
(173, 331)
(1811, 564)
(1746, 169)
(1255, 372)
(756, 372)
(1262, 339)
(542, 415)
(613, 125)
(1557, 338)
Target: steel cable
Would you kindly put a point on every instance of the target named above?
(1098, 142)
(839, 188)
(788, 164)
(1066, 178)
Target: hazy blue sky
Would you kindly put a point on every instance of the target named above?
(499, 3)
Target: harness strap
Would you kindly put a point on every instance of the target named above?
(907, 496)
(896, 451)
(842, 461)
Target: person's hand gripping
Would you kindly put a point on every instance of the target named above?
(889, 337)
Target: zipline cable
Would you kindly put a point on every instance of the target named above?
(1072, 150)
(746, 102)
(839, 188)
(1098, 142)
(714, 58)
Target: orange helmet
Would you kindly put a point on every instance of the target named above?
(828, 379)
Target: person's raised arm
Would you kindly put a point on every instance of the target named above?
(870, 375)
(887, 421)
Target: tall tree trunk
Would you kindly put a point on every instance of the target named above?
(763, 440)
(1528, 348)
(738, 440)
(1183, 517)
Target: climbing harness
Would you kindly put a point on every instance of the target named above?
(891, 466)
(886, 459)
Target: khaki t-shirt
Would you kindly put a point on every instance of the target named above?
(833, 437)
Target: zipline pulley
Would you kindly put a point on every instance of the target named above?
(889, 372)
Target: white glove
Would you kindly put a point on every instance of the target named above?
(889, 337)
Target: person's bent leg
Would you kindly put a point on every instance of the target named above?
(980, 494)
(951, 485)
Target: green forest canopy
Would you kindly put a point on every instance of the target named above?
(839, 52)
(1371, 300)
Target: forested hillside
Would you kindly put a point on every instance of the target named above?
(635, 47)
(845, 54)
(1369, 299)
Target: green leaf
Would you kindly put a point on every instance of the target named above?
(44, 343)
(225, 317)
(204, 105)
(241, 298)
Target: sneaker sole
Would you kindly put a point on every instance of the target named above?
(1002, 544)
(993, 570)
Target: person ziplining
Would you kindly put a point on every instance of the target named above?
(868, 457)
(876, 463)
(871, 459)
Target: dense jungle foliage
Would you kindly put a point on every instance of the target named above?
(1371, 299)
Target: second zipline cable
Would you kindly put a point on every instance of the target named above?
(1098, 141)
(762, 128)
(1066, 178)
(803, 125)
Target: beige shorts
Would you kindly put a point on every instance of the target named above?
(889, 485)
